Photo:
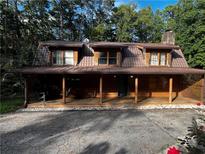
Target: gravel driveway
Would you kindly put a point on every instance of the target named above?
(87, 132)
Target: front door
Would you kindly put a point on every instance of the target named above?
(122, 86)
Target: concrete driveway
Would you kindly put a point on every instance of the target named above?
(87, 132)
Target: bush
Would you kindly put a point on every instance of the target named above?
(194, 141)
(10, 105)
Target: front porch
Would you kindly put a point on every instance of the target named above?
(114, 91)
(125, 102)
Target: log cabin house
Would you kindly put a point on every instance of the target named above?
(67, 71)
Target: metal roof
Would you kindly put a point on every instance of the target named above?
(59, 43)
(109, 70)
(157, 46)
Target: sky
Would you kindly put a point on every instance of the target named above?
(155, 4)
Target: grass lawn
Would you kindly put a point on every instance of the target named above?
(9, 105)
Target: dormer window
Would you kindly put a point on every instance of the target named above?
(63, 57)
(158, 58)
(154, 58)
(57, 58)
(102, 58)
(68, 58)
(162, 58)
(112, 58)
(107, 58)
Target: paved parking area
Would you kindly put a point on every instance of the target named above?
(87, 132)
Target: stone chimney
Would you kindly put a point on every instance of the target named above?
(168, 37)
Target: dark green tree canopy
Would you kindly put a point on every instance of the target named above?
(25, 23)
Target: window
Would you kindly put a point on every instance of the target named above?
(109, 58)
(57, 58)
(68, 57)
(112, 58)
(102, 58)
(63, 57)
(163, 58)
(154, 58)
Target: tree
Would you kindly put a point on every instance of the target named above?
(149, 25)
(98, 26)
(187, 20)
(124, 18)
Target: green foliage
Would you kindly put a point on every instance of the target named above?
(10, 105)
(149, 25)
(194, 142)
(23, 24)
(187, 19)
(124, 18)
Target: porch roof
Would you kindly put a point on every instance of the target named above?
(108, 70)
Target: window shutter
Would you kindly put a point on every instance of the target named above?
(96, 56)
(119, 58)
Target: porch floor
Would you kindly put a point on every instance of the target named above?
(111, 102)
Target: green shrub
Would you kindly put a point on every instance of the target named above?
(9, 105)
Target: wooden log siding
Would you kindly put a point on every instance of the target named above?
(64, 89)
(75, 56)
(147, 57)
(119, 58)
(25, 92)
(170, 89)
(96, 56)
(159, 58)
(169, 59)
(136, 90)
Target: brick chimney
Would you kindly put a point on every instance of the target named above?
(168, 37)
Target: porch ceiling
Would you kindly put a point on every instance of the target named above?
(108, 70)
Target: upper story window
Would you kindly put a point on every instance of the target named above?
(158, 58)
(68, 58)
(102, 58)
(58, 58)
(107, 58)
(162, 58)
(112, 58)
(63, 57)
(154, 58)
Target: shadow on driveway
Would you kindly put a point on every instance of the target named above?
(50, 128)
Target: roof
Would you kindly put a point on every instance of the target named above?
(178, 59)
(58, 43)
(110, 44)
(157, 46)
(133, 57)
(109, 70)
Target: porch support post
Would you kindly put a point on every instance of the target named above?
(63, 90)
(101, 82)
(136, 90)
(25, 92)
(170, 89)
(202, 89)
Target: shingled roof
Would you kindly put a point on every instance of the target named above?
(133, 57)
(133, 60)
(109, 70)
(157, 46)
(59, 43)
